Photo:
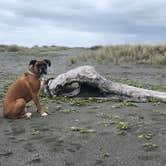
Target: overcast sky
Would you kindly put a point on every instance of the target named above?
(82, 22)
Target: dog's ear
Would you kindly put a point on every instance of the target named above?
(48, 62)
(32, 62)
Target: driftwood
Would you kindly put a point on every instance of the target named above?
(70, 83)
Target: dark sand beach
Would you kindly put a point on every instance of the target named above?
(85, 131)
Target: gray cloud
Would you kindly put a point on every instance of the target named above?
(94, 22)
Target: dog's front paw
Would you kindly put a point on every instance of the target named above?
(44, 114)
(28, 115)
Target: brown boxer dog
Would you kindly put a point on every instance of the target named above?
(25, 89)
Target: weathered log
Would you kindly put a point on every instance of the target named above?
(63, 84)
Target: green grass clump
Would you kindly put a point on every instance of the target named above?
(35, 132)
(150, 145)
(146, 136)
(121, 132)
(107, 123)
(75, 101)
(123, 125)
(104, 154)
(71, 109)
(79, 101)
(160, 112)
(129, 103)
(102, 115)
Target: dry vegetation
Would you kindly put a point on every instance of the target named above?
(30, 50)
(141, 54)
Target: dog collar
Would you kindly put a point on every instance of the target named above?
(31, 73)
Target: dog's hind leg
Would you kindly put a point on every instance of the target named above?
(17, 109)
